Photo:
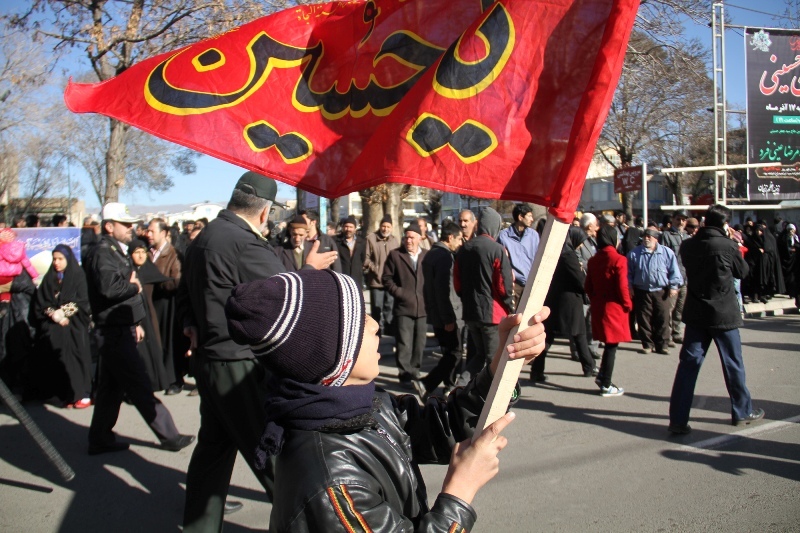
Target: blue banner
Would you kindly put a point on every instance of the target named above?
(39, 244)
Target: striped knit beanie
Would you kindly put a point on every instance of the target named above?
(305, 325)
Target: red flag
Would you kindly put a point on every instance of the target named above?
(497, 100)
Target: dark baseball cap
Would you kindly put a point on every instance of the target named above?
(652, 232)
(681, 213)
(259, 185)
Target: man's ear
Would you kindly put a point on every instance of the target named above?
(264, 215)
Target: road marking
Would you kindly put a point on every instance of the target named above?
(716, 442)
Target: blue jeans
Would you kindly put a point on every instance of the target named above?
(693, 352)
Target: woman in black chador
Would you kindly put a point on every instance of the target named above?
(61, 314)
(150, 348)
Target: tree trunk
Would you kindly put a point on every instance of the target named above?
(115, 161)
(333, 211)
(394, 206)
(627, 205)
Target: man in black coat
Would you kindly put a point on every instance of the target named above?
(117, 310)
(229, 251)
(352, 251)
(295, 250)
(712, 261)
(482, 277)
(403, 278)
(443, 307)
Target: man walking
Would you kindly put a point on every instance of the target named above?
(404, 279)
(379, 244)
(117, 309)
(653, 277)
(443, 307)
(229, 251)
(712, 262)
(521, 242)
(672, 239)
(482, 277)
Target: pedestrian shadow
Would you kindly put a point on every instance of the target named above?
(771, 457)
(784, 346)
(749, 455)
(771, 324)
(111, 492)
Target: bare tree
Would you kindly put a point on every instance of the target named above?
(791, 15)
(23, 70)
(43, 175)
(659, 105)
(115, 34)
(433, 206)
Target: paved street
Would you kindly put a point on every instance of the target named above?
(576, 461)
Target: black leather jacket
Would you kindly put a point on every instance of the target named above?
(368, 479)
(115, 301)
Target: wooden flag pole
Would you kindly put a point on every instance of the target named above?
(544, 264)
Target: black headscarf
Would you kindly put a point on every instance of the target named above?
(575, 237)
(607, 236)
(148, 272)
(58, 288)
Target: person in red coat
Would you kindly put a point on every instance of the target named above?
(607, 288)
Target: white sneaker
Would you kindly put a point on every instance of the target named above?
(611, 390)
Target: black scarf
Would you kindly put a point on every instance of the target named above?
(294, 405)
(53, 292)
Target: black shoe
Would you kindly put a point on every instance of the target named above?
(663, 351)
(178, 443)
(173, 390)
(645, 349)
(422, 392)
(677, 340)
(232, 506)
(671, 344)
(97, 449)
(574, 357)
(595, 355)
(194, 392)
(679, 430)
(757, 414)
(591, 373)
(538, 378)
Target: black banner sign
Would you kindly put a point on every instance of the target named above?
(772, 60)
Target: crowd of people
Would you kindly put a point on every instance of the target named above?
(244, 306)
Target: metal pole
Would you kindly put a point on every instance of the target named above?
(69, 195)
(724, 99)
(644, 193)
(720, 111)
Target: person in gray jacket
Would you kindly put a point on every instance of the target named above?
(379, 244)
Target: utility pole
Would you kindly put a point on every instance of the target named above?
(720, 110)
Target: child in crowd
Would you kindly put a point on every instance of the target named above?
(346, 453)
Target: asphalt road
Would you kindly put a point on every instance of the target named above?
(576, 461)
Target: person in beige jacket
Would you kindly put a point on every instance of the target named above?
(379, 244)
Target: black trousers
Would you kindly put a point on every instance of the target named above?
(486, 338)
(653, 316)
(231, 420)
(122, 373)
(581, 348)
(410, 339)
(607, 364)
(450, 343)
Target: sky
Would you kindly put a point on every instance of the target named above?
(214, 178)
